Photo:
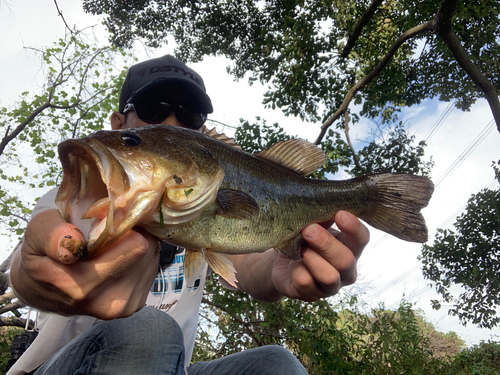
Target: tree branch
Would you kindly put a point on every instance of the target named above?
(356, 32)
(346, 131)
(7, 297)
(12, 321)
(444, 29)
(59, 13)
(411, 33)
(9, 137)
(6, 263)
(249, 331)
(11, 307)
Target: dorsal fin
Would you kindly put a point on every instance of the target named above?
(221, 137)
(298, 154)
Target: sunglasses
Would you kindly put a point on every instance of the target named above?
(159, 111)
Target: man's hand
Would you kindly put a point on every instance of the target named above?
(328, 263)
(113, 284)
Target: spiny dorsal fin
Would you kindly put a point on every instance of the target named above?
(221, 137)
(298, 154)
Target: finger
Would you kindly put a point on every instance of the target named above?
(48, 234)
(353, 233)
(293, 279)
(128, 292)
(311, 287)
(327, 258)
(329, 277)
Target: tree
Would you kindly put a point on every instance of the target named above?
(327, 338)
(78, 94)
(469, 256)
(319, 56)
(80, 90)
(324, 54)
(481, 359)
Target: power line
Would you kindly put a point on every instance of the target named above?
(417, 265)
(466, 153)
(439, 122)
(458, 161)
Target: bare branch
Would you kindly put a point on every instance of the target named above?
(7, 297)
(356, 32)
(12, 321)
(346, 131)
(11, 307)
(59, 13)
(444, 29)
(411, 33)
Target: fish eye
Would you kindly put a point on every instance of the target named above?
(131, 139)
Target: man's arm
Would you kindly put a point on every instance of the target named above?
(113, 284)
(328, 263)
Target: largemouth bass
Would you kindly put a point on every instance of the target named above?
(200, 192)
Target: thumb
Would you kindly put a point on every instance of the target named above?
(48, 234)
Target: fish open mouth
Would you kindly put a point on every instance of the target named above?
(93, 182)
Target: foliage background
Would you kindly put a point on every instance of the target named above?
(387, 258)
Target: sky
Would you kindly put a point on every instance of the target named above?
(388, 269)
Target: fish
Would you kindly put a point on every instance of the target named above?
(201, 191)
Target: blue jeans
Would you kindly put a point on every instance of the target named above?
(151, 342)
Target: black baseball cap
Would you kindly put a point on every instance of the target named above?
(167, 79)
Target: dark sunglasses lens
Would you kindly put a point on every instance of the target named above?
(153, 112)
(190, 119)
(156, 113)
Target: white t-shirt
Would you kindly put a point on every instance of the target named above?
(169, 293)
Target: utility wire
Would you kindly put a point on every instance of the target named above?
(439, 122)
(466, 153)
(458, 161)
(416, 266)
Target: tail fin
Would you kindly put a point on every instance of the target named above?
(396, 202)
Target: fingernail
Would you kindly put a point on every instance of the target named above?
(344, 218)
(311, 232)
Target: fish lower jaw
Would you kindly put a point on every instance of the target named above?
(96, 230)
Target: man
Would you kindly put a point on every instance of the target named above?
(123, 279)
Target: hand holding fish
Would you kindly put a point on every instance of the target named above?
(113, 284)
(328, 263)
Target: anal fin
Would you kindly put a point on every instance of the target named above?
(292, 248)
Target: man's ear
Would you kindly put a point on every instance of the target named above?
(117, 120)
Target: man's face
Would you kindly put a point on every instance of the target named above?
(120, 121)
(133, 121)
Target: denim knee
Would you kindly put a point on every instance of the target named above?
(264, 360)
(149, 326)
(274, 356)
(148, 342)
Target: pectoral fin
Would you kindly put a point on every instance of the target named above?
(235, 204)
